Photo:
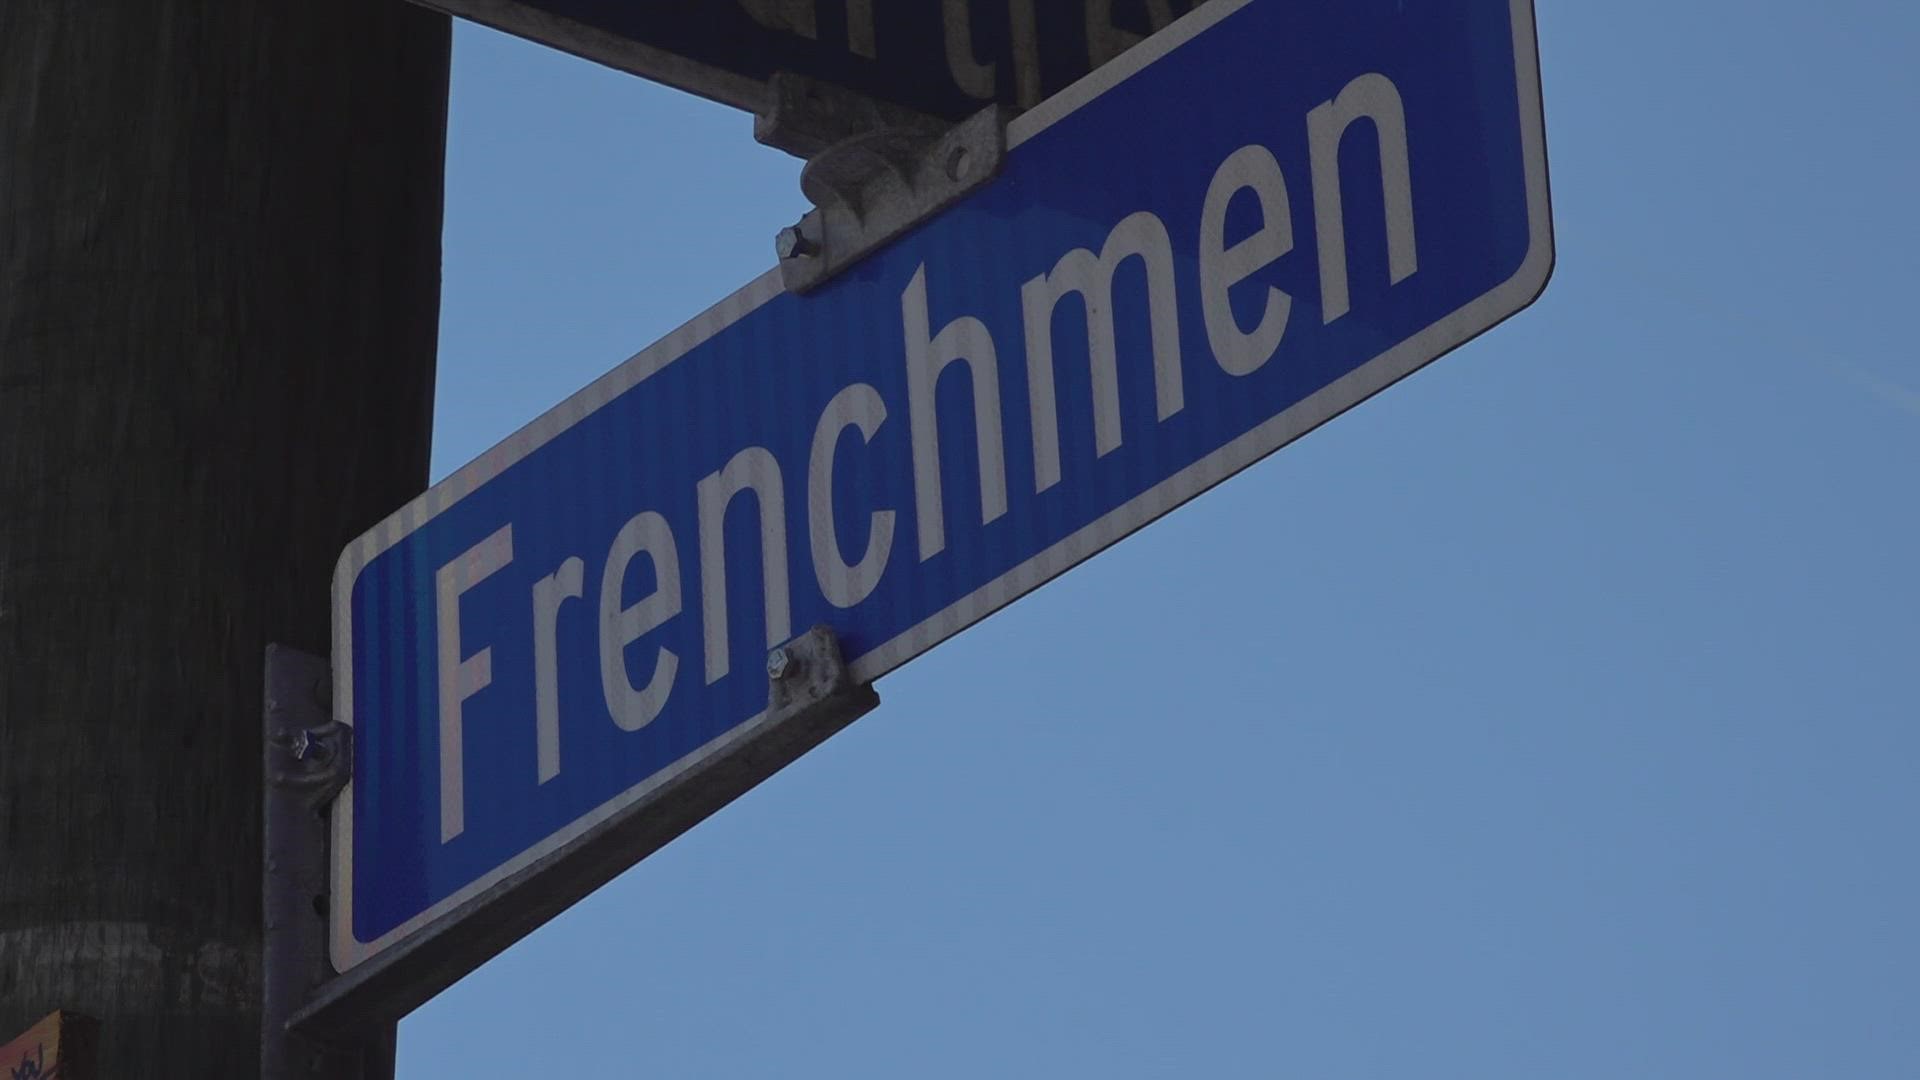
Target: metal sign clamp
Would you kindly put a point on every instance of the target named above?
(873, 170)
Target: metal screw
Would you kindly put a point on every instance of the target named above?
(779, 663)
(959, 161)
(791, 243)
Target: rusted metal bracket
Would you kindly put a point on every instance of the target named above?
(873, 171)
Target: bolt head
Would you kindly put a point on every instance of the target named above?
(779, 663)
(791, 243)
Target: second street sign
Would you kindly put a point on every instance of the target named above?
(945, 58)
(1233, 233)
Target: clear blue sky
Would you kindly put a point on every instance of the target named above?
(1554, 714)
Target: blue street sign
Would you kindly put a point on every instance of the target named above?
(1235, 231)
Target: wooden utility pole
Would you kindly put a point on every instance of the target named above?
(219, 287)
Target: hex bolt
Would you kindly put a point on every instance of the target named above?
(780, 663)
(791, 243)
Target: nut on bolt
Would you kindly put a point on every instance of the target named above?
(780, 664)
(959, 163)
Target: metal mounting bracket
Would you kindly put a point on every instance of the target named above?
(811, 695)
(873, 171)
(307, 758)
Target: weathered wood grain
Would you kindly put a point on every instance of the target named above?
(219, 271)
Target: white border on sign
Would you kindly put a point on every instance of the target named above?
(1363, 382)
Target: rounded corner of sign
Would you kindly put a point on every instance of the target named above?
(347, 567)
(344, 949)
(342, 955)
(1529, 282)
(1536, 270)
